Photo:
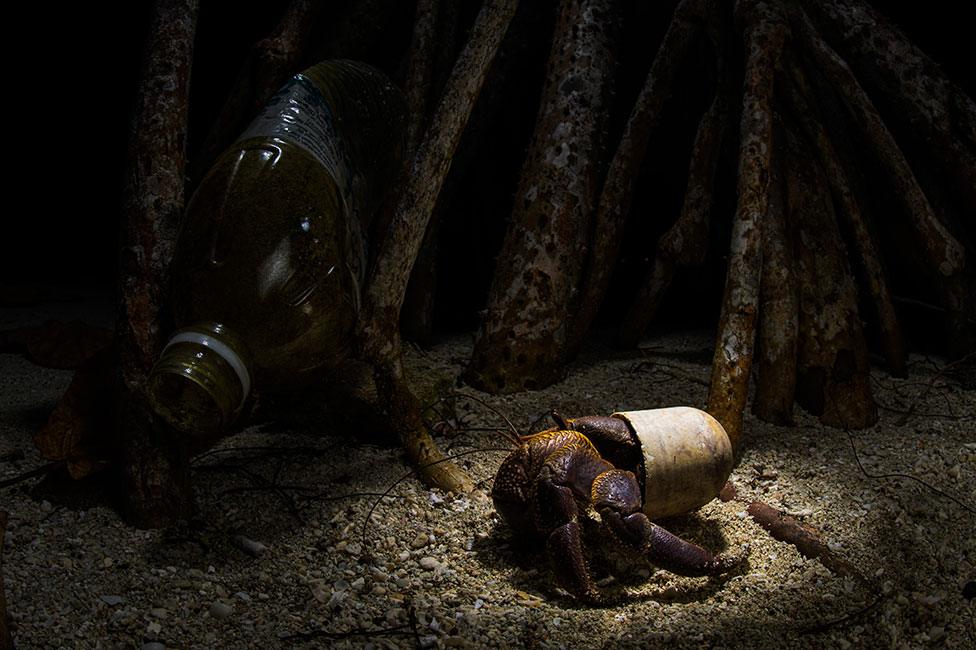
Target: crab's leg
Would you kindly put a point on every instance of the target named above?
(616, 496)
(556, 517)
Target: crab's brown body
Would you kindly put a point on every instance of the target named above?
(546, 486)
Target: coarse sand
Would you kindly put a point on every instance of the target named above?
(278, 555)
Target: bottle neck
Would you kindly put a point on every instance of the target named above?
(201, 380)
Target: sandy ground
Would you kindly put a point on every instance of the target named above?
(279, 556)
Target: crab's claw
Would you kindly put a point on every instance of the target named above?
(613, 497)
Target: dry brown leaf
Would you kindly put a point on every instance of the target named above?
(78, 429)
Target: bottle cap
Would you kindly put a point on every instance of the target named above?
(200, 382)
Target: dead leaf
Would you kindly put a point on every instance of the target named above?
(79, 429)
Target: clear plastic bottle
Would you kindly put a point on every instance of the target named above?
(271, 255)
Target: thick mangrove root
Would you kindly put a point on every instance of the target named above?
(832, 365)
(525, 335)
(766, 32)
(778, 310)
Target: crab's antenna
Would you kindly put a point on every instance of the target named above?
(560, 421)
(512, 436)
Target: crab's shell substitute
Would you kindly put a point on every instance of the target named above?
(687, 458)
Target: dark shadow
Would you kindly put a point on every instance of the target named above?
(31, 418)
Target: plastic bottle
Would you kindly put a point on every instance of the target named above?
(270, 258)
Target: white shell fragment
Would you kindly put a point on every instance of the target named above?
(687, 458)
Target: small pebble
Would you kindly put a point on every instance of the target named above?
(429, 563)
(112, 600)
(220, 610)
(249, 546)
(243, 595)
(419, 541)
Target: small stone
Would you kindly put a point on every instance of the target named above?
(220, 610)
(419, 541)
(929, 600)
(158, 612)
(249, 546)
(353, 548)
(336, 598)
(243, 595)
(107, 562)
(358, 583)
(112, 600)
(428, 563)
(478, 603)
(46, 506)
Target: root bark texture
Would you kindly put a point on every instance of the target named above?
(765, 31)
(524, 339)
(154, 466)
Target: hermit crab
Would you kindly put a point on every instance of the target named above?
(627, 469)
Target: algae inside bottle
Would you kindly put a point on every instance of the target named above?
(271, 255)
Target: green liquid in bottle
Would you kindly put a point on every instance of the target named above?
(270, 260)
